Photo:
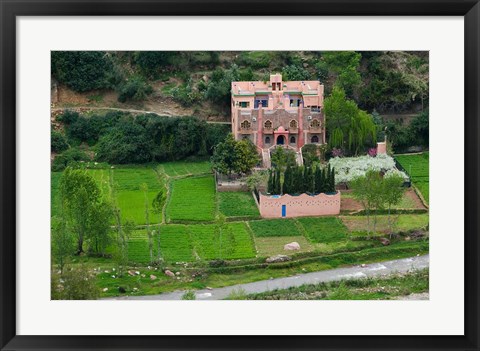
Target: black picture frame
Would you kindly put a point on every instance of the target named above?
(10, 10)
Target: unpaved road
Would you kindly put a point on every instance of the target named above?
(369, 270)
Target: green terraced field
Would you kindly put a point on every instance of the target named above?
(417, 168)
(181, 168)
(237, 204)
(192, 199)
(274, 227)
(175, 243)
(324, 229)
(234, 242)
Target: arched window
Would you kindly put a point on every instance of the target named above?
(292, 140)
(293, 124)
(314, 139)
(268, 124)
(315, 123)
(267, 140)
(245, 125)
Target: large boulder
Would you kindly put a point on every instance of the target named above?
(292, 246)
(169, 273)
(278, 258)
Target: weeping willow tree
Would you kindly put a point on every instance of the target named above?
(349, 127)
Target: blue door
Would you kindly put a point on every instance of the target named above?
(284, 210)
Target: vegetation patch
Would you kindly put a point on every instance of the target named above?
(237, 204)
(230, 241)
(417, 167)
(182, 168)
(192, 199)
(324, 229)
(273, 245)
(383, 288)
(402, 223)
(175, 243)
(274, 227)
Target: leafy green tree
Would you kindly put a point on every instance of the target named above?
(309, 153)
(344, 66)
(246, 156)
(82, 203)
(58, 142)
(347, 124)
(419, 128)
(281, 158)
(270, 184)
(277, 183)
(295, 72)
(288, 181)
(368, 190)
(63, 242)
(153, 62)
(158, 204)
(83, 70)
(223, 159)
(318, 180)
(134, 89)
(393, 191)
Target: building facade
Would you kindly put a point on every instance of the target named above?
(278, 113)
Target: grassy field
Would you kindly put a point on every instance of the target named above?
(175, 243)
(183, 168)
(233, 241)
(324, 229)
(417, 167)
(403, 222)
(274, 227)
(237, 204)
(273, 245)
(192, 199)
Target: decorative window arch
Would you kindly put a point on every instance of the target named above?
(293, 140)
(245, 124)
(268, 124)
(314, 139)
(267, 140)
(293, 124)
(315, 123)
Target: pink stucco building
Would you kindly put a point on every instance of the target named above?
(278, 113)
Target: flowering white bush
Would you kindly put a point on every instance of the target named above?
(349, 168)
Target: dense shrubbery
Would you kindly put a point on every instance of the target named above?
(83, 70)
(67, 158)
(58, 142)
(300, 179)
(186, 94)
(135, 89)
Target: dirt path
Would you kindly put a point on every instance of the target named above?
(56, 110)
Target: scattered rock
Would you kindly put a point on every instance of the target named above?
(278, 258)
(152, 277)
(384, 241)
(132, 273)
(113, 276)
(208, 288)
(169, 273)
(292, 246)
(107, 271)
(135, 289)
(363, 265)
(137, 272)
(105, 289)
(143, 275)
(177, 273)
(121, 290)
(407, 238)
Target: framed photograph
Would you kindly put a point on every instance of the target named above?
(186, 175)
